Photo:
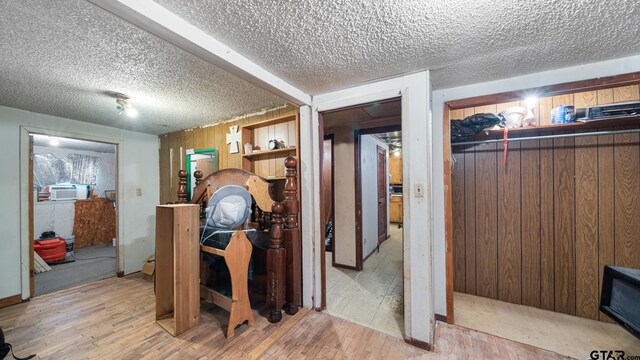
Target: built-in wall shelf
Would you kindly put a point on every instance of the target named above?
(269, 152)
(574, 127)
(270, 163)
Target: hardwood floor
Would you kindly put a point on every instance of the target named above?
(114, 319)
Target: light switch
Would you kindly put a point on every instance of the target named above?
(138, 192)
(419, 190)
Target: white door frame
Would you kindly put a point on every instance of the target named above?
(25, 193)
(414, 90)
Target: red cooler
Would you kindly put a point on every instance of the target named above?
(51, 250)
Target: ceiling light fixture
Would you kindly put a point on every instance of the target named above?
(54, 142)
(124, 107)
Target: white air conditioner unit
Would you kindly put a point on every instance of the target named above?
(62, 192)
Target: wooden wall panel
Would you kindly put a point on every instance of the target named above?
(586, 243)
(173, 145)
(564, 225)
(470, 220)
(544, 117)
(605, 96)
(509, 225)
(626, 93)
(606, 213)
(627, 205)
(547, 251)
(486, 225)
(530, 191)
(457, 197)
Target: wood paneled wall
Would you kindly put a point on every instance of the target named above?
(539, 229)
(214, 136)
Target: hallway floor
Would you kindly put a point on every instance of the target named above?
(372, 297)
(561, 333)
(91, 264)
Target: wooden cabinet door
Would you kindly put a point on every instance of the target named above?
(395, 169)
(395, 211)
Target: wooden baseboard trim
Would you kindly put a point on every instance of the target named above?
(418, 344)
(120, 274)
(345, 266)
(442, 318)
(10, 300)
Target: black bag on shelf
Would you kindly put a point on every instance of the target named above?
(471, 125)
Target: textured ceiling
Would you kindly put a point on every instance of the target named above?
(60, 57)
(322, 45)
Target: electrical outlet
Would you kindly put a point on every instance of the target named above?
(138, 192)
(419, 190)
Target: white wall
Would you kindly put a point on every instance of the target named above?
(440, 97)
(106, 176)
(344, 177)
(55, 216)
(369, 189)
(138, 168)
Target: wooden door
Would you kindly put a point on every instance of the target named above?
(382, 194)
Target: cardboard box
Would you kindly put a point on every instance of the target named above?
(149, 268)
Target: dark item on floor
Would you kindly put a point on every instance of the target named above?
(619, 297)
(5, 349)
(63, 261)
(51, 250)
(328, 238)
(471, 125)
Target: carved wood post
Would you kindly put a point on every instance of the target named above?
(276, 265)
(182, 186)
(198, 175)
(203, 204)
(292, 238)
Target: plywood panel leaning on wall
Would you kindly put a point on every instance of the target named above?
(95, 222)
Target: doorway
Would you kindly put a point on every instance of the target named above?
(364, 271)
(73, 221)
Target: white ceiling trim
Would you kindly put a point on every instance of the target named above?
(155, 19)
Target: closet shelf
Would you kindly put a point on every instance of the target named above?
(574, 129)
(268, 152)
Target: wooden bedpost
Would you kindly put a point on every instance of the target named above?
(276, 266)
(292, 238)
(198, 174)
(182, 186)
